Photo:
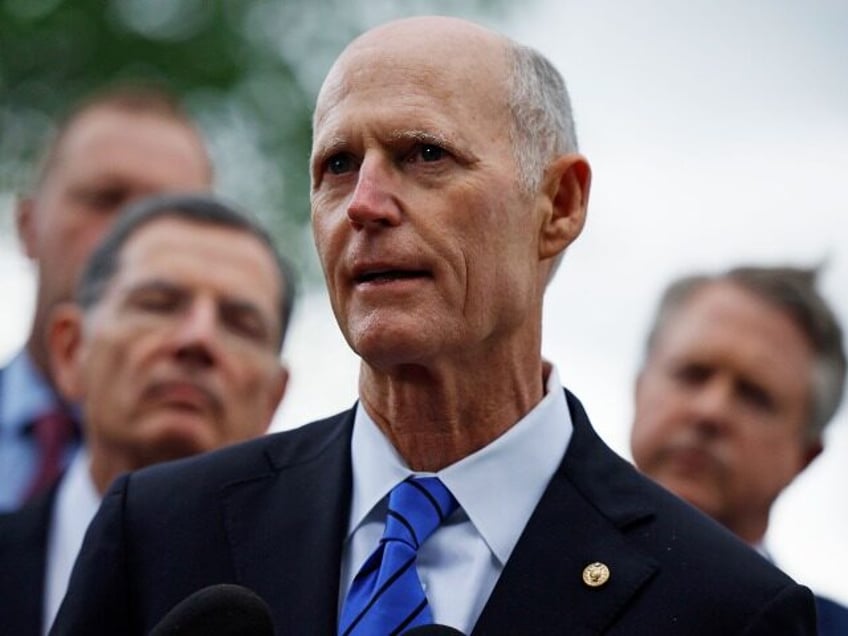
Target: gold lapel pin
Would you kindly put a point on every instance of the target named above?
(596, 574)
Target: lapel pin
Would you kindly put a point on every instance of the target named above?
(596, 574)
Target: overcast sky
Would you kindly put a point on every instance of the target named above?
(718, 134)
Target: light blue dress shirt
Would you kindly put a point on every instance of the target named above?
(497, 488)
(24, 395)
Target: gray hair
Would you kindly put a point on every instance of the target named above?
(196, 208)
(542, 121)
(793, 291)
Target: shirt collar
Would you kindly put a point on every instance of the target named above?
(497, 487)
(75, 505)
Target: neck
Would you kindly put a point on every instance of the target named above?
(106, 465)
(436, 415)
(752, 532)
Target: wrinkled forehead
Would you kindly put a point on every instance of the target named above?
(441, 56)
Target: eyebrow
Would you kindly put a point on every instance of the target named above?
(329, 146)
(151, 284)
(338, 142)
(422, 136)
(160, 284)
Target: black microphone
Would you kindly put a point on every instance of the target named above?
(218, 610)
(432, 630)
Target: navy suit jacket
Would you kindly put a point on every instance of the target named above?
(23, 560)
(272, 514)
(833, 617)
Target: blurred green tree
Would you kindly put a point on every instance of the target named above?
(248, 70)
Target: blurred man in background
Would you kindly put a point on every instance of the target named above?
(167, 356)
(116, 147)
(742, 373)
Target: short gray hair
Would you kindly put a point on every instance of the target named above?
(793, 291)
(196, 208)
(542, 120)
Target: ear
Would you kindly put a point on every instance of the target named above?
(25, 223)
(64, 343)
(566, 192)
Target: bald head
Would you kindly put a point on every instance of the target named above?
(445, 53)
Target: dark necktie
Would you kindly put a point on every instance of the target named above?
(386, 596)
(53, 432)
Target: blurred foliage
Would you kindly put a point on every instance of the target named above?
(248, 71)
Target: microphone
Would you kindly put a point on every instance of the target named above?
(218, 610)
(432, 630)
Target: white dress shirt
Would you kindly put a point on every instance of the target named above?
(497, 488)
(75, 505)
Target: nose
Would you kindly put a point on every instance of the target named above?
(712, 406)
(373, 202)
(196, 336)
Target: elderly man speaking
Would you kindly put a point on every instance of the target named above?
(465, 488)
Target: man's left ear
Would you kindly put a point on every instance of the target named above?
(566, 196)
(64, 341)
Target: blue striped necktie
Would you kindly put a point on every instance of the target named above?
(386, 596)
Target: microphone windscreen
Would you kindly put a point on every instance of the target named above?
(433, 630)
(218, 610)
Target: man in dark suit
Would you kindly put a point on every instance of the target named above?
(115, 147)
(742, 373)
(465, 487)
(167, 356)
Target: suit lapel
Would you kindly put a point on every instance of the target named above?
(582, 518)
(287, 526)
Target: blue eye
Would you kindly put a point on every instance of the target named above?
(340, 163)
(429, 152)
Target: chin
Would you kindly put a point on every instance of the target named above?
(692, 493)
(389, 347)
(176, 438)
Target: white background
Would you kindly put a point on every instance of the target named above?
(718, 134)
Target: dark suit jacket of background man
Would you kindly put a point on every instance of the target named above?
(23, 562)
(272, 515)
(833, 617)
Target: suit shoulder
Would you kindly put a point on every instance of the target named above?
(244, 461)
(832, 617)
(686, 551)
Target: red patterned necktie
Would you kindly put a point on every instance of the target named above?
(53, 432)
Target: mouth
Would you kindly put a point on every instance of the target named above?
(383, 273)
(389, 275)
(690, 460)
(182, 396)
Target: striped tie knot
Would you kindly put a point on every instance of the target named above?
(417, 507)
(386, 597)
